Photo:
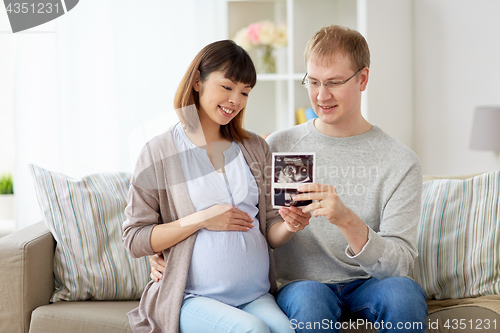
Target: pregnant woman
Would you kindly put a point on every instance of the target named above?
(200, 196)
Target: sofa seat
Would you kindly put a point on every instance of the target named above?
(26, 258)
(82, 317)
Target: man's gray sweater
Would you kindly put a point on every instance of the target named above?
(380, 180)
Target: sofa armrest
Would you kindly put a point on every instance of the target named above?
(26, 275)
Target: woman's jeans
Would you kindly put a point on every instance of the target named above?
(395, 304)
(207, 315)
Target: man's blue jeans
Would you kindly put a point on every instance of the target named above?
(395, 304)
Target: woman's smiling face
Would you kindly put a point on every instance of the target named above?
(221, 99)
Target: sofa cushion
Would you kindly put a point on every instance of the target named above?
(82, 317)
(85, 217)
(458, 238)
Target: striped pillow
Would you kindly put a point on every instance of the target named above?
(85, 217)
(459, 238)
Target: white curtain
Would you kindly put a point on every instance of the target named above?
(85, 82)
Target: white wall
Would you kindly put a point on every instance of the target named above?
(457, 67)
(99, 72)
(7, 147)
(389, 33)
(433, 62)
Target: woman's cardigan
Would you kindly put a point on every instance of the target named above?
(158, 194)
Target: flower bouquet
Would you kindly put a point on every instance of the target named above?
(263, 36)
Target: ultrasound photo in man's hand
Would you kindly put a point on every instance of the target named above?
(291, 170)
(283, 198)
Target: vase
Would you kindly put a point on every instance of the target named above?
(6, 206)
(266, 62)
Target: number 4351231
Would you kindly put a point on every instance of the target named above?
(478, 324)
(39, 8)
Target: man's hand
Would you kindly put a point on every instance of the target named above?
(328, 202)
(329, 205)
(157, 264)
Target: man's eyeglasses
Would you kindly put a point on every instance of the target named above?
(330, 84)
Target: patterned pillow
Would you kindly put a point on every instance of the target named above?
(85, 217)
(459, 238)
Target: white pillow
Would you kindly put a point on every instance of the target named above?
(85, 217)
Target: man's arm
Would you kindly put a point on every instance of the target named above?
(392, 250)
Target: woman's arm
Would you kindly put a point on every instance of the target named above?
(216, 218)
(144, 235)
(278, 231)
(282, 232)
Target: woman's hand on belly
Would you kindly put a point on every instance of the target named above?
(227, 218)
(216, 218)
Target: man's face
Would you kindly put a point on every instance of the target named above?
(340, 105)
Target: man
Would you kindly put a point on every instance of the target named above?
(348, 266)
(352, 259)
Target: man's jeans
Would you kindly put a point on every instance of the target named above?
(395, 304)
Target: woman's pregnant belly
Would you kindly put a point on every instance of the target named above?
(230, 266)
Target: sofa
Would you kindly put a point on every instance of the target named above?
(27, 271)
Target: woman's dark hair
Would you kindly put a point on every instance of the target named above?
(221, 56)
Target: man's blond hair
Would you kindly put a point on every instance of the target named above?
(335, 39)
